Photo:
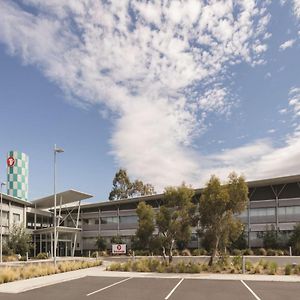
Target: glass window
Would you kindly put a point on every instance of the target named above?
(289, 210)
(109, 220)
(16, 218)
(262, 212)
(128, 219)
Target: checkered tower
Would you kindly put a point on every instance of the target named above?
(17, 175)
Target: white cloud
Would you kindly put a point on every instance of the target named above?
(297, 8)
(294, 101)
(287, 44)
(153, 65)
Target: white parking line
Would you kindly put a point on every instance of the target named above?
(175, 287)
(107, 287)
(255, 296)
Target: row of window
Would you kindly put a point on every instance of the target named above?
(270, 211)
(112, 220)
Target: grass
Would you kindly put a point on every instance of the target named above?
(8, 274)
(225, 266)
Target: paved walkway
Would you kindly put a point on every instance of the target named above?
(29, 284)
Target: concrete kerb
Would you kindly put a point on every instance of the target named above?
(34, 283)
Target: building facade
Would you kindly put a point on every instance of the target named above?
(273, 203)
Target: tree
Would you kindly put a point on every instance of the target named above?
(19, 241)
(270, 237)
(218, 205)
(174, 217)
(116, 240)
(295, 240)
(101, 243)
(146, 224)
(123, 188)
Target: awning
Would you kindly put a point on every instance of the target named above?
(58, 229)
(62, 198)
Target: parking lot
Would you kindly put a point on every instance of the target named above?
(108, 288)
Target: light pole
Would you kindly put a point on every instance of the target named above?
(2, 185)
(56, 150)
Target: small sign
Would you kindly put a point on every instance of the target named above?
(10, 161)
(119, 248)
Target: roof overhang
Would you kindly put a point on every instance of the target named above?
(62, 198)
(16, 200)
(58, 229)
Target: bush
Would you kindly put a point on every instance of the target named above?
(199, 252)
(42, 255)
(271, 252)
(236, 252)
(237, 262)
(272, 270)
(186, 252)
(288, 270)
(248, 266)
(247, 252)
(279, 252)
(262, 251)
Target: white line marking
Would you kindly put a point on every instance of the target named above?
(255, 296)
(107, 287)
(175, 287)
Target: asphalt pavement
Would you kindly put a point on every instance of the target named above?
(129, 288)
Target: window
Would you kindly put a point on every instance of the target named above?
(128, 219)
(5, 218)
(289, 210)
(85, 221)
(96, 221)
(16, 218)
(109, 220)
(262, 212)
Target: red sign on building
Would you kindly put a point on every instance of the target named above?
(10, 161)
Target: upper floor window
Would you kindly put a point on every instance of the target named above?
(16, 218)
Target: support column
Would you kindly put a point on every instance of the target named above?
(249, 224)
(41, 243)
(51, 246)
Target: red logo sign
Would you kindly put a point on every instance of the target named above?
(10, 161)
(119, 247)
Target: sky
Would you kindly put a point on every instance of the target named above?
(172, 91)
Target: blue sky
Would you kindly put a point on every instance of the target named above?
(172, 91)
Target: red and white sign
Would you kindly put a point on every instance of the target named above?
(10, 161)
(119, 248)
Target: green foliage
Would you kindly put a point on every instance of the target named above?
(19, 241)
(123, 188)
(101, 243)
(116, 240)
(146, 224)
(271, 252)
(270, 237)
(262, 251)
(42, 255)
(273, 267)
(174, 217)
(288, 269)
(218, 205)
(295, 240)
(199, 252)
(247, 252)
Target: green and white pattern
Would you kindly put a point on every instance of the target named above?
(17, 176)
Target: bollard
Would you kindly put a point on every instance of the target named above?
(290, 251)
(26, 256)
(89, 253)
(244, 264)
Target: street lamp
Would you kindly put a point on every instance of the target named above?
(2, 185)
(56, 150)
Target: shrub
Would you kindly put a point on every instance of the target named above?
(262, 251)
(264, 263)
(186, 252)
(199, 252)
(279, 252)
(236, 252)
(271, 252)
(42, 255)
(237, 262)
(288, 270)
(258, 269)
(272, 268)
(248, 266)
(247, 252)
(175, 252)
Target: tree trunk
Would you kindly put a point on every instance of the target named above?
(164, 253)
(213, 255)
(171, 252)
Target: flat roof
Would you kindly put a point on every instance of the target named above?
(58, 229)
(62, 198)
(15, 199)
(251, 184)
